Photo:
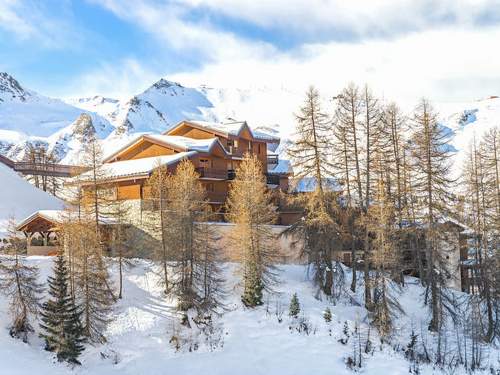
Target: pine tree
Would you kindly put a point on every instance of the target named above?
(294, 308)
(249, 207)
(19, 282)
(62, 327)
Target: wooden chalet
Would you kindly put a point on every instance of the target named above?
(215, 149)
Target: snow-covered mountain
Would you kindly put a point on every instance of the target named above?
(26, 116)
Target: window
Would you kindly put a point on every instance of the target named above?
(210, 187)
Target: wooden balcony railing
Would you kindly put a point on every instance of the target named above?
(272, 159)
(216, 197)
(212, 173)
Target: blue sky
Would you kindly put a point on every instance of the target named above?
(443, 49)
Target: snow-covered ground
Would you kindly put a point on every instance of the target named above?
(252, 340)
(19, 198)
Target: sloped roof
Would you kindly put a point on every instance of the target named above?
(136, 167)
(283, 167)
(176, 142)
(227, 128)
(233, 128)
(54, 216)
(188, 144)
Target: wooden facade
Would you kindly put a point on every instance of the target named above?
(215, 155)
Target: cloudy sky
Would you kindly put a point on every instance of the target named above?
(447, 50)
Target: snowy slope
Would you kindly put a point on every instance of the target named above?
(28, 117)
(252, 341)
(20, 198)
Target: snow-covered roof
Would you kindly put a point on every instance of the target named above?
(189, 144)
(283, 167)
(54, 216)
(135, 167)
(173, 141)
(58, 217)
(233, 128)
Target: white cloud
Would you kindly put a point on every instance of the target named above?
(120, 79)
(29, 20)
(169, 25)
(357, 17)
(441, 64)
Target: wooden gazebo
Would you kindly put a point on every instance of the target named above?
(41, 230)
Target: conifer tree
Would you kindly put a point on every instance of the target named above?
(158, 187)
(383, 257)
(60, 317)
(208, 275)
(327, 315)
(19, 282)
(184, 207)
(249, 207)
(294, 308)
(431, 155)
(91, 278)
(318, 233)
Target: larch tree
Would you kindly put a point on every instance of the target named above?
(380, 221)
(371, 133)
(478, 172)
(347, 131)
(431, 154)
(19, 282)
(318, 233)
(158, 192)
(186, 201)
(209, 282)
(89, 275)
(249, 207)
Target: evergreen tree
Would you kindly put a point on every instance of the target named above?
(327, 315)
(294, 309)
(62, 327)
(249, 207)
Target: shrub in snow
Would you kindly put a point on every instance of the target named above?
(327, 315)
(294, 309)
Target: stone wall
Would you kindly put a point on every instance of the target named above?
(145, 236)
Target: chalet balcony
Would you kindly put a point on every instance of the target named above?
(272, 179)
(272, 159)
(216, 197)
(219, 174)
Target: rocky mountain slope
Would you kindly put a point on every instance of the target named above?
(26, 116)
